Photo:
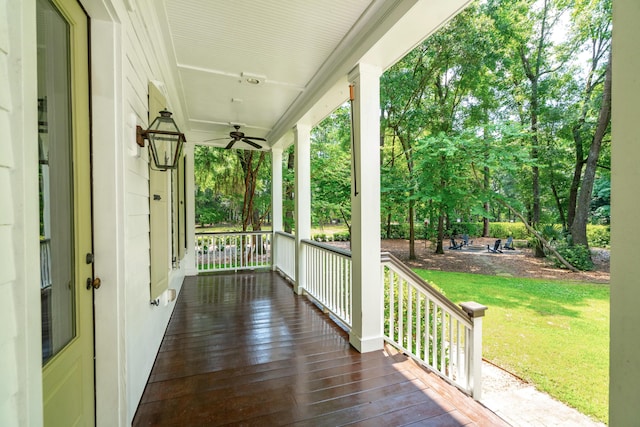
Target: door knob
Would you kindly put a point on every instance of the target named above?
(95, 283)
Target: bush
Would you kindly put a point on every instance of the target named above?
(500, 230)
(468, 228)
(576, 255)
(341, 237)
(599, 236)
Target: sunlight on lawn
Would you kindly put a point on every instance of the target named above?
(551, 333)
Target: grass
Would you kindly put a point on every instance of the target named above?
(553, 334)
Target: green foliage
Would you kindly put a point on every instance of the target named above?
(601, 202)
(331, 168)
(321, 237)
(501, 230)
(576, 255)
(598, 236)
(468, 228)
(220, 186)
(341, 237)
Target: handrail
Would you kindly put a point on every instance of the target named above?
(334, 249)
(327, 279)
(284, 234)
(214, 233)
(430, 328)
(411, 276)
(284, 254)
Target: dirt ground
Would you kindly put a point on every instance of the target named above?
(476, 258)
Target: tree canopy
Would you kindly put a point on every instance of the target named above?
(503, 113)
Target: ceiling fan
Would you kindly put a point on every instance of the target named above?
(236, 136)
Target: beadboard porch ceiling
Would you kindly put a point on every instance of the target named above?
(297, 51)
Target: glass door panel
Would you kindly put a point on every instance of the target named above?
(55, 143)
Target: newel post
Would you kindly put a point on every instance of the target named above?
(476, 313)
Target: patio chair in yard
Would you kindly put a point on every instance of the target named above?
(466, 241)
(509, 244)
(454, 245)
(496, 247)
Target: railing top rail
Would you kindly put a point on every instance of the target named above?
(342, 252)
(386, 257)
(283, 234)
(226, 233)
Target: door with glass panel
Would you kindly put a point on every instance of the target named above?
(66, 276)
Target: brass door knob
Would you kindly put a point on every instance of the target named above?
(95, 283)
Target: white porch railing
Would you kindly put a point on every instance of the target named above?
(284, 254)
(328, 278)
(418, 319)
(232, 251)
(430, 328)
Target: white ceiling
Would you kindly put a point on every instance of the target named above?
(299, 50)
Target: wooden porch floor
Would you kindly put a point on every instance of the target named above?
(243, 349)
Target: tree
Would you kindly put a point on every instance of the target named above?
(526, 27)
(331, 168)
(430, 92)
(250, 162)
(579, 225)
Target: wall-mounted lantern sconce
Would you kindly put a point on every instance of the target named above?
(165, 141)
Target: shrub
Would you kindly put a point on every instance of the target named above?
(599, 236)
(576, 255)
(319, 237)
(505, 229)
(341, 237)
(468, 228)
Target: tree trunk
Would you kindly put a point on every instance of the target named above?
(487, 206)
(388, 226)
(412, 234)
(288, 215)
(559, 206)
(250, 177)
(440, 238)
(540, 238)
(579, 226)
(575, 181)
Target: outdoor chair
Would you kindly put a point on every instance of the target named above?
(454, 245)
(496, 247)
(509, 244)
(465, 240)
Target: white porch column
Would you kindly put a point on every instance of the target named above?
(366, 332)
(276, 200)
(302, 138)
(190, 255)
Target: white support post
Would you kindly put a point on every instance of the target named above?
(190, 255)
(476, 312)
(366, 332)
(302, 135)
(276, 201)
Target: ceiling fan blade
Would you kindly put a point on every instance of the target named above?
(253, 144)
(230, 144)
(257, 138)
(215, 139)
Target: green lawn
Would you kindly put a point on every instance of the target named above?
(553, 334)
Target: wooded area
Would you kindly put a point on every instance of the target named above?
(504, 114)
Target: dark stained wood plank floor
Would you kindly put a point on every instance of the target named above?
(243, 349)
